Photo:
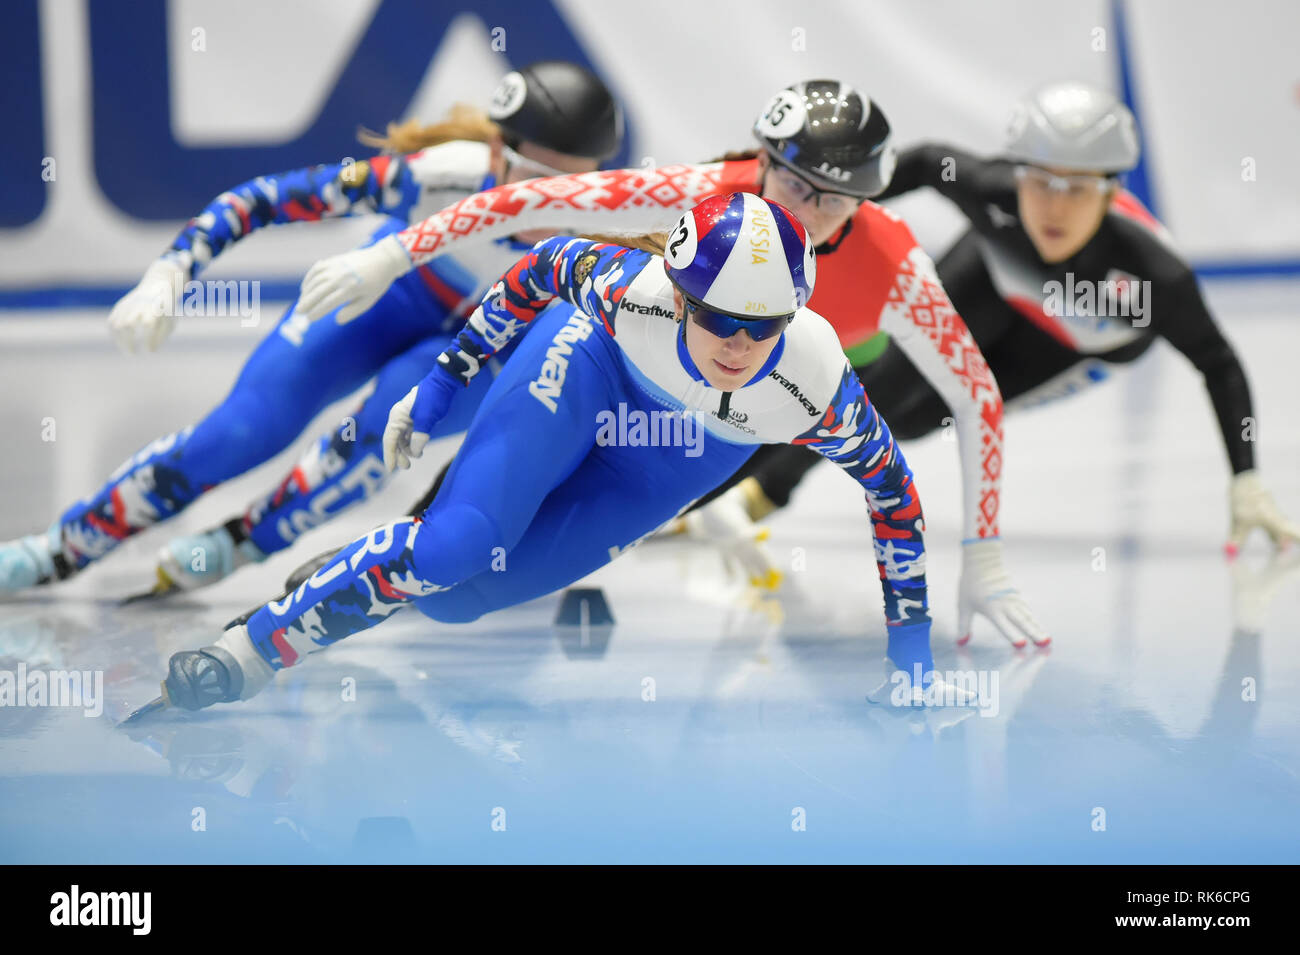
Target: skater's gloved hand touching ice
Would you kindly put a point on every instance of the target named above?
(1253, 507)
(911, 681)
(148, 312)
(352, 282)
(412, 420)
(986, 589)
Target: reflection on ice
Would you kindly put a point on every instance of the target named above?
(708, 724)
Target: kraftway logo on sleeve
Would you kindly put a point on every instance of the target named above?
(791, 387)
(628, 304)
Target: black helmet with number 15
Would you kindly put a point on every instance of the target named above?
(830, 135)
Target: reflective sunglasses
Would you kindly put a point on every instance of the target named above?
(724, 326)
(1073, 187)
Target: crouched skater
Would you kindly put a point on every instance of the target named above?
(713, 327)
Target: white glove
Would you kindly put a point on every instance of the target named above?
(986, 589)
(150, 308)
(1253, 507)
(413, 419)
(401, 441)
(352, 282)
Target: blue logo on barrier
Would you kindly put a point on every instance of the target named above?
(143, 170)
(22, 147)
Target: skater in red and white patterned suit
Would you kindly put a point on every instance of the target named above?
(874, 278)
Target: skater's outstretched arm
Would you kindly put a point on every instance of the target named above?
(901, 285)
(853, 436)
(390, 185)
(620, 200)
(953, 173)
(1178, 312)
(922, 320)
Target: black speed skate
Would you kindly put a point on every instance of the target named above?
(229, 671)
(195, 679)
(199, 678)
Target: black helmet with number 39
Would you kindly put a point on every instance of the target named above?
(561, 106)
(830, 135)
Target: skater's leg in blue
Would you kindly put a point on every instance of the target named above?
(294, 373)
(346, 466)
(516, 452)
(616, 497)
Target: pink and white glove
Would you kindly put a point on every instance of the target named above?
(986, 589)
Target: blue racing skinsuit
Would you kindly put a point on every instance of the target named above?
(597, 431)
(301, 367)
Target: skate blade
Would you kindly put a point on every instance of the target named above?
(673, 530)
(153, 706)
(163, 588)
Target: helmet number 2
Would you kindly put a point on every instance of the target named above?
(682, 235)
(680, 252)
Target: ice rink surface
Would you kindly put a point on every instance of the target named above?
(1163, 725)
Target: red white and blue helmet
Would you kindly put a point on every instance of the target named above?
(743, 256)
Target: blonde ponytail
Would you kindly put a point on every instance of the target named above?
(463, 122)
(652, 242)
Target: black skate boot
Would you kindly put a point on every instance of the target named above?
(199, 678)
(230, 670)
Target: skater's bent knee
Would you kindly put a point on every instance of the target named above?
(461, 604)
(456, 542)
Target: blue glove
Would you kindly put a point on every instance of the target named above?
(909, 645)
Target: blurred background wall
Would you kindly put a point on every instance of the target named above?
(122, 118)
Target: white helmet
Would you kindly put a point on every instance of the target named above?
(1073, 126)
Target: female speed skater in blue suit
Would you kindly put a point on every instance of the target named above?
(548, 118)
(662, 375)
